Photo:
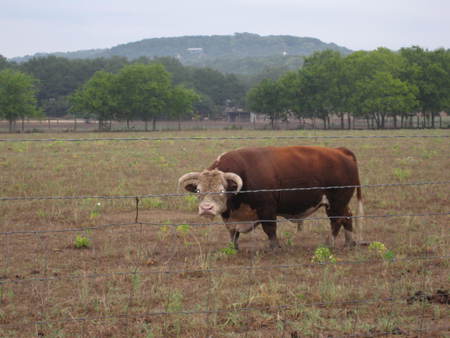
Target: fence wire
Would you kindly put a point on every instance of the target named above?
(110, 197)
(294, 220)
(127, 316)
(218, 138)
(218, 270)
(201, 312)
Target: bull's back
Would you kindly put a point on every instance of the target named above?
(273, 167)
(291, 167)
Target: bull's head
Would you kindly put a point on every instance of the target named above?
(212, 186)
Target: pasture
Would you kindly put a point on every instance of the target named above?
(96, 266)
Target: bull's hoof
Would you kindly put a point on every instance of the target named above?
(350, 244)
(274, 245)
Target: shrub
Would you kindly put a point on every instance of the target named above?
(82, 242)
(323, 255)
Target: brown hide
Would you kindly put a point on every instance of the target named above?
(290, 167)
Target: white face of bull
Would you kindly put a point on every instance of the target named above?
(211, 185)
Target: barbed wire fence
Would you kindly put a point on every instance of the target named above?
(250, 269)
(223, 138)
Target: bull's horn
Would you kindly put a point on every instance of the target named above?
(187, 179)
(235, 178)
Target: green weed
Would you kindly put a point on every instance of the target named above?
(229, 250)
(288, 236)
(152, 203)
(402, 174)
(96, 211)
(82, 242)
(323, 255)
(183, 229)
(380, 250)
(163, 232)
(191, 201)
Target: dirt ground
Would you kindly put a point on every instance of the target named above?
(161, 271)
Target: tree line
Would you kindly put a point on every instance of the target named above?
(56, 84)
(374, 85)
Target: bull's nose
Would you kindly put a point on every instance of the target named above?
(206, 206)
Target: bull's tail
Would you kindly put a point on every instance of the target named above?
(359, 220)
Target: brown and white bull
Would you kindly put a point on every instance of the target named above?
(222, 188)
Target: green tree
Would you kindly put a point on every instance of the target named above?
(59, 77)
(97, 98)
(3, 62)
(17, 96)
(321, 82)
(429, 71)
(180, 102)
(143, 91)
(364, 70)
(384, 95)
(268, 98)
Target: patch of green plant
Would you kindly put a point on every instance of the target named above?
(82, 242)
(389, 256)
(163, 232)
(427, 154)
(229, 250)
(323, 255)
(152, 203)
(41, 213)
(96, 211)
(380, 250)
(232, 319)
(288, 236)
(183, 229)
(233, 127)
(174, 304)
(328, 287)
(191, 201)
(136, 281)
(402, 174)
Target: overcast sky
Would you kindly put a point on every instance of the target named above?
(31, 26)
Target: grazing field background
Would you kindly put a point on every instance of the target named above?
(147, 266)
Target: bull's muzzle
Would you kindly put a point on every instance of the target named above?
(206, 210)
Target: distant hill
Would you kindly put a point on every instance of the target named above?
(238, 53)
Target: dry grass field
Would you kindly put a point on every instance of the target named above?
(118, 267)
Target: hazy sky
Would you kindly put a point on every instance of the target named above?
(31, 26)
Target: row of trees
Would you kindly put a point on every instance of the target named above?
(136, 92)
(372, 85)
(58, 78)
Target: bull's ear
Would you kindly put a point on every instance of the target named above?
(189, 181)
(234, 182)
(191, 187)
(231, 185)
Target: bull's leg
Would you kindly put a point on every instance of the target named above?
(234, 238)
(334, 215)
(299, 226)
(348, 227)
(269, 225)
(270, 228)
(338, 218)
(335, 227)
